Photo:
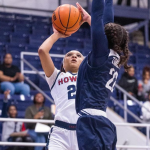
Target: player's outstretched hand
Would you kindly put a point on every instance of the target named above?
(85, 16)
(60, 35)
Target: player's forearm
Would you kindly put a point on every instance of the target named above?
(48, 43)
(5, 78)
(99, 40)
(97, 28)
(97, 8)
(108, 12)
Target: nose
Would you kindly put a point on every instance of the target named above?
(74, 56)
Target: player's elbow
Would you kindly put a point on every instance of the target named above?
(41, 51)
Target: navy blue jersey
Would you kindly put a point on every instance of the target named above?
(95, 84)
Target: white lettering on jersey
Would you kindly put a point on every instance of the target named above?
(115, 62)
(116, 58)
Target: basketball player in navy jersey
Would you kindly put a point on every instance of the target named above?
(97, 76)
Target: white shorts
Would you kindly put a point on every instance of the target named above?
(62, 139)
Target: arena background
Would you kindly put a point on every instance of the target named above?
(25, 24)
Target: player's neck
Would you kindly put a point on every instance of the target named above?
(73, 71)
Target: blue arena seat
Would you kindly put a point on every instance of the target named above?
(41, 30)
(2, 46)
(133, 47)
(61, 43)
(57, 50)
(19, 39)
(57, 62)
(35, 42)
(143, 58)
(34, 61)
(67, 49)
(79, 34)
(41, 19)
(16, 59)
(5, 24)
(6, 15)
(39, 37)
(33, 77)
(5, 38)
(22, 17)
(7, 28)
(75, 43)
(22, 22)
(23, 104)
(31, 48)
(133, 108)
(43, 84)
(24, 29)
(132, 59)
(14, 48)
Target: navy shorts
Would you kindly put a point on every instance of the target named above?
(96, 133)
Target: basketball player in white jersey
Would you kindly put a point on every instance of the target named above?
(62, 85)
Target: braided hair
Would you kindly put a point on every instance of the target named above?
(118, 41)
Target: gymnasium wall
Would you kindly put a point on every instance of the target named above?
(36, 4)
(50, 5)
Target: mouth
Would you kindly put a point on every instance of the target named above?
(73, 60)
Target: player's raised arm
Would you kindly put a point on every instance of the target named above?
(108, 12)
(46, 61)
(100, 49)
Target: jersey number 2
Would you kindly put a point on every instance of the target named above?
(71, 92)
(114, 76)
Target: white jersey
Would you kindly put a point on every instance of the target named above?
(63, 91)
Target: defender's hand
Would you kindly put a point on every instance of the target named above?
(85, 16)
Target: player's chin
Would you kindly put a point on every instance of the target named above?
(76, 65)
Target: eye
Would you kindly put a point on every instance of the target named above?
(78, 55)
(69, 54)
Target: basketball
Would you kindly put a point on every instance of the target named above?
(66, 19)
